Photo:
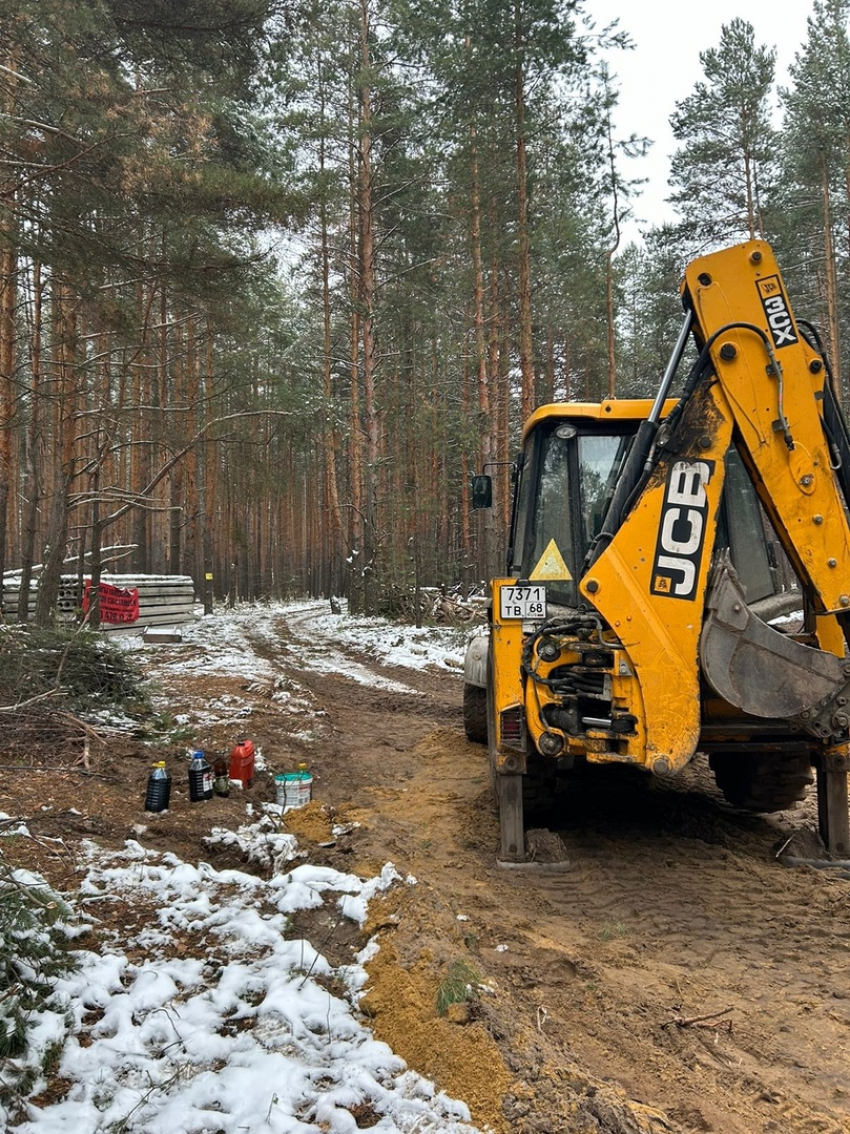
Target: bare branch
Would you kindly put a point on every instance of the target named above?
(180, 454)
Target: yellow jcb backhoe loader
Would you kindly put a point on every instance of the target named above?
(655, 548)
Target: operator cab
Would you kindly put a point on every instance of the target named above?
(566, 474)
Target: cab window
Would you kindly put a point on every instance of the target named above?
(565, 490)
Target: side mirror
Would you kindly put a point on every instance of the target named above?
(482, 492)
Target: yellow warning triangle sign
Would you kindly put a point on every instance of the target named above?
(551, 565)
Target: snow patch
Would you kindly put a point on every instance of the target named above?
(248, 1031)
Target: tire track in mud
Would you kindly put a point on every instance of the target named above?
(650, 927)
(671, 927)
(673, 907)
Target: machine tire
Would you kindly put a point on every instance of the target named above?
(765, 781)
(538, 786)
(475, 714)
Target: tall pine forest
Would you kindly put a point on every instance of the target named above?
(277, 277)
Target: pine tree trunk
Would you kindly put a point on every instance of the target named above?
(486, 450)
(751, 203)
(526, 339)
(330, 434)
(140, 461)
(8, 339)
(366, 230)
(203, 497)
(609, 319)
(32, 484)
(355, 432)
(193, 550)
(609, 263)
(833, 314)
(8, 333)
(465, 480)
(499, 362)
(64, 354)
(98, 455)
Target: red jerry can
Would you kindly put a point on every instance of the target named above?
(242, 762)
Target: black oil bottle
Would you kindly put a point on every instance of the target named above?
(200, 778)
(158, 792)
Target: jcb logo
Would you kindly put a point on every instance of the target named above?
(681, 535)
(776, 311)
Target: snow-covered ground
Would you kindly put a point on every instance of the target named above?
(229, 640)
(244, 1034)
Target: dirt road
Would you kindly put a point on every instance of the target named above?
(675, 977)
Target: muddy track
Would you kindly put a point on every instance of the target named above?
(674, 977)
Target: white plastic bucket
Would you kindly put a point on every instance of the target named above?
(294, 789)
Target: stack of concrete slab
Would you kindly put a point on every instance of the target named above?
(164, 600)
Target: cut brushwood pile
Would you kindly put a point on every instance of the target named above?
(434, 604)
(60, 690)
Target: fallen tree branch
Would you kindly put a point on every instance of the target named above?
(708, 1020)
(84, 757)
(30, 701)
(87, 729)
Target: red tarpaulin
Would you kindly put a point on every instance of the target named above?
(117, 604)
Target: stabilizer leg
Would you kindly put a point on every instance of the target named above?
(509, 795)
(833, 811)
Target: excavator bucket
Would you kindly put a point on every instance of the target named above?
(754, 667)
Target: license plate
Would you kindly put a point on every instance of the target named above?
(522, 602)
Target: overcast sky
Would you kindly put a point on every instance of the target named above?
(663, 68)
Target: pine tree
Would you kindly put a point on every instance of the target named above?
(816, 163)
(142, 170)
(34, 952)
(725, 169)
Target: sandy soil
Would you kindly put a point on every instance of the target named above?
(671, 975)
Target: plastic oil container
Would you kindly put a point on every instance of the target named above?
(200, 778)
(242, 762)
(158, 791)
